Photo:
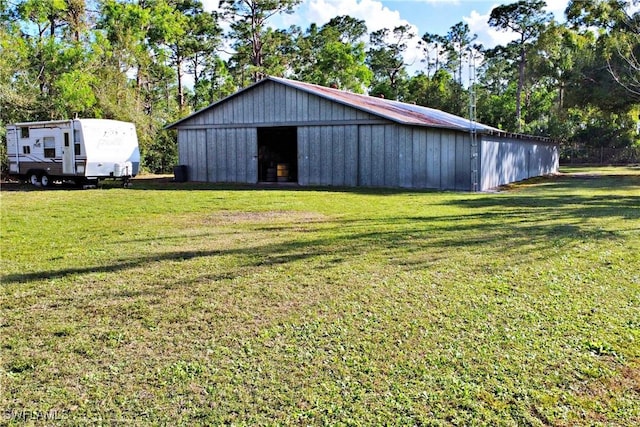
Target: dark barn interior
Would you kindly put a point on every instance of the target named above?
(277, 154)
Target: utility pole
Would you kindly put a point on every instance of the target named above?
(473, 135)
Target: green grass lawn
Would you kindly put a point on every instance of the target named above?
(174, 303)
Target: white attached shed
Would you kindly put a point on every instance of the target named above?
(280, 130)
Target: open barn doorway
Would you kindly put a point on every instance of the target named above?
(278, 154)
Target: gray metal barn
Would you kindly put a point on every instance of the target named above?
(280, 130)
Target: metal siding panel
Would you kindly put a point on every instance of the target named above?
(201, 136)
(221, 155)
(214, 168)
(523, 161)
(505, 160)
(291, 104)
(279, 104)
(419, 159)
(516, 150)
(361, 115)
(206, 117)
(489, 164)
(326, 166)
(405, 139)
(193, 153)
(506, 163)
(269, 103)
(351, 156)
(182, 149)
(238, 159)
(337, 112)
(301, 106)
(350, 113)
(451, 136)
(259, 102)
(186, 157)
(338, 136)
(466, 147)
(314, 108)
(251, 150)
(326, 110)
(457, 175)
(228, 172)
(219, 149)
(500, 163)
(533, 164)
(315, 150)
(227, 109)
(211, 154)
(303, 155)
(433, 161)
(364, 156)
(223, 171)
(390, 156)
(514, 173)
(238, 114)
(247, 110)
(462, 163)
(519, 161)
(377, 156)
(447, 160)
(241, 155)
(230, 160)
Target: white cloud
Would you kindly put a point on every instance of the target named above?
(487, 35)
(491, 37)
(557, 7)
(373, 12)
(375, 15)
(210, 5)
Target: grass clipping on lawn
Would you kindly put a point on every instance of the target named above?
(200, 304)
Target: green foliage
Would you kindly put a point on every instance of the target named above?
(333, 55)
(439, 91)
(161, 154)
(250, 35)
(386, 62)
(527, 19)
(496, 108)
(75, 93)
(214, 84)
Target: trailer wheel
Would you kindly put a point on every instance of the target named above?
(44, 180)
(34, 179)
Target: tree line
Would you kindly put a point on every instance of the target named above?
(154, 61)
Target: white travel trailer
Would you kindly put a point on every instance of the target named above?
(80, 150)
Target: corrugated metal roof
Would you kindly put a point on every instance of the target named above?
(396, 111)
(399, 112)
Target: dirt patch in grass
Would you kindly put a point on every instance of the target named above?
(240, 217)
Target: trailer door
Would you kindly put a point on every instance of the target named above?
(68, 155)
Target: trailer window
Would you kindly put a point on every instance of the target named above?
(76, 149)
(26, 149)
(24, 132)
(49, 147)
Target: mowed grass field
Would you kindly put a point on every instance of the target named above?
(193, 304)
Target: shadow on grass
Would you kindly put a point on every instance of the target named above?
(401, 237)
(530, 222)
